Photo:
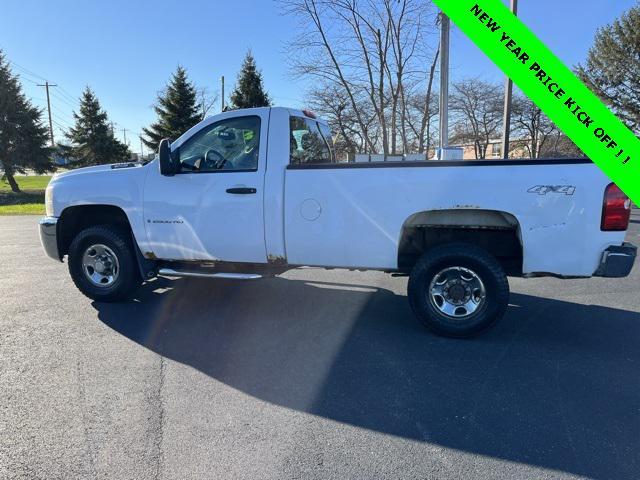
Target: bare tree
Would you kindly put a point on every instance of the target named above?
(207, 101)
(420, 111)
(371, 51)
(531, 126)
(332, 103)
(560, 146)
(477, 113)
(536, 134)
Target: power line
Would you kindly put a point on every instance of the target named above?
(56, 112)
(75, 106)
(62, 114)
(42, 102)
(63, 96)
(68, 95)
(22, 77)
(63, 128)
(60, 119)
(27, 71)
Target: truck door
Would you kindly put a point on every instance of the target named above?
(213, 208)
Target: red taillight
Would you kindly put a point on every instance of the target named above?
(616, 210)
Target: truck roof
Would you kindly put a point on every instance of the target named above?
(293, 112)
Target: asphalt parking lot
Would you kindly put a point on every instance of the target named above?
(316, 374)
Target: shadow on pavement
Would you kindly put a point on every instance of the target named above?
(556, 384)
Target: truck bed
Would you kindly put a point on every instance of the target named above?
(353, 214)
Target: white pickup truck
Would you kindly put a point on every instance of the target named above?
(252, 193)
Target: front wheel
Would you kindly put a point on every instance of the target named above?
(102, 264)
(458, 290)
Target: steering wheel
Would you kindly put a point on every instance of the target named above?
(215, 164)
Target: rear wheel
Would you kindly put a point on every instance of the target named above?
(458, 290)
(102, 264)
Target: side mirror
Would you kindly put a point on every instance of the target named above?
(168, 166)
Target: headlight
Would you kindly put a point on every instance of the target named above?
(48, 201)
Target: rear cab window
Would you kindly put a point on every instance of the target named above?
(310, 142)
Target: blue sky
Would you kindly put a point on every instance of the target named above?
(126, 50)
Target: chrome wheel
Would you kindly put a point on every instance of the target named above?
(457, 292)
(100, 265)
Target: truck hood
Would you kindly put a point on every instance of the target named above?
(112, 167)
(118, 185)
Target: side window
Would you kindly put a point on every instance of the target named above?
(229, 145)
(310, 142)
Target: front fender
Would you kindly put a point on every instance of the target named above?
(119, 187)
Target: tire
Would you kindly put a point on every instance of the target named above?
(450, 275)
(112, 280)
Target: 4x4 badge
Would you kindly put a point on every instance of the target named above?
(544, 189)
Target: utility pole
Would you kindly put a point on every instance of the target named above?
(222, 81)
(508, 96)
(112, 129)
(141, 149)
(445, 25)
(124, 132)
(46, 86)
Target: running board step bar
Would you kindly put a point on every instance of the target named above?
(170, 272)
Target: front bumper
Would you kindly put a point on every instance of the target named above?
(49, 236)
(617, 261)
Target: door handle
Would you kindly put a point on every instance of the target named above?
(241, 190)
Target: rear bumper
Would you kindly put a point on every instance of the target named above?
(617, 261)
(49, 236)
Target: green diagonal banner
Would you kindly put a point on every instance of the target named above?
(552, 86)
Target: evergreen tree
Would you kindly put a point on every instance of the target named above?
(23, 135)
(92, 139)
(177, 108)
(612, 69)
(249, 91)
